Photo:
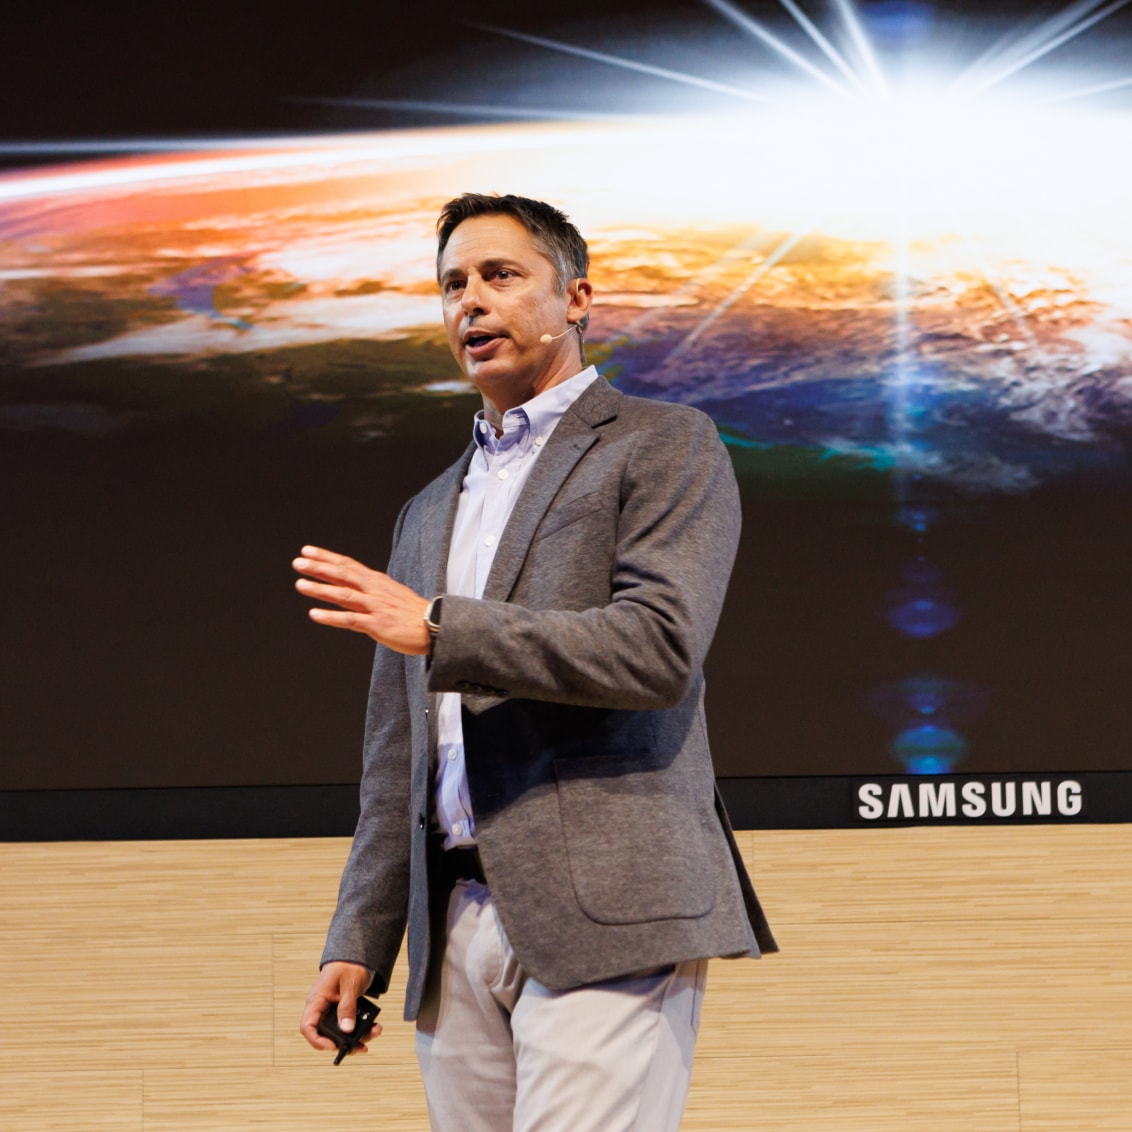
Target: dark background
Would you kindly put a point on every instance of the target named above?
(152, 636)
(119, 70)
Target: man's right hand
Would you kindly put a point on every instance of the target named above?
(341, 983)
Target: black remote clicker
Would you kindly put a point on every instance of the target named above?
(364, 1019)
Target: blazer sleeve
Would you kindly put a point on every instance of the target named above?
(677, 535)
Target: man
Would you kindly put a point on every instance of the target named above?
(538, 803)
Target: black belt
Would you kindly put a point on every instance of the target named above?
(461, 864)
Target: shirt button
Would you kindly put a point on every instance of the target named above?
(458, 829)
(502, 473)
(451, 756)
(538, 441)
(484, 426)
(489, 541)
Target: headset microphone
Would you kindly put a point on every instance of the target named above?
(546, 339)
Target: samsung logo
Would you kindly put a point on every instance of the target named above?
(920, 799)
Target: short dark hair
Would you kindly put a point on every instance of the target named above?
(553, 233)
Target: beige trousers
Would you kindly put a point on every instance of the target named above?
(501, 1053)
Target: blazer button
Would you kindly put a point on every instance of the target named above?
(420, 821)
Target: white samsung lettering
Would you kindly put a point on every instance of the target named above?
(900, 801)
(1036, 799)
(1001, 806)
(974, 799)
(937, 800)
(1069, 799)
(869, 796)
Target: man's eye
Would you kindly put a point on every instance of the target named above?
(453, 285)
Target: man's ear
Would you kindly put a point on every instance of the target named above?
(580, 292)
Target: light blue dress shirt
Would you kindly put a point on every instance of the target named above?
(499, 469)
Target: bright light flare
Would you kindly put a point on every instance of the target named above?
(944, 165)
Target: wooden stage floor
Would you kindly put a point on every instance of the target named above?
(954, 979)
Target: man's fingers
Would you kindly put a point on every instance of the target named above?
(316, 1039)
(369, 601)
(334, 595)
(342, 619)
(347, 572)
(321, 554)
(338, 983)
(308, 1027)
(347, 1009)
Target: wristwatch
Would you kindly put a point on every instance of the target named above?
(432, 620)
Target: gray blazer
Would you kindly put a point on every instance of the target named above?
(603, 839)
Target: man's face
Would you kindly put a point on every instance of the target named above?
(500, 296)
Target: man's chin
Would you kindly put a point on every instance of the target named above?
(502, 386)
(490, 371)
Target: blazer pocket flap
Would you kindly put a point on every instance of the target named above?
(559, 517)
(635, 843)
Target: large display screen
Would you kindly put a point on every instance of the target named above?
(885, 246)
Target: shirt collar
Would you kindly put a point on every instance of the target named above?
(537, 417)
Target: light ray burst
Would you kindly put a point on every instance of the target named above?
(630, 64)
(742, 250)
(1044, 48)
(861, 42)
(882, 122)
(689, 341)
(827, 48)
(1013, 44)
(463, 109)
(1085, 92)
(744, 22)
(116, 146)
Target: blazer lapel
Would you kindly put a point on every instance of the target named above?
(438, 521)
(575, 433)
(438, 518)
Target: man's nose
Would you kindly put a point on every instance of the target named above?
(473, 298)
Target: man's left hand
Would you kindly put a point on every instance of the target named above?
(370, 602)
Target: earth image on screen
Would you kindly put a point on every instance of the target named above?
(913, 314)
